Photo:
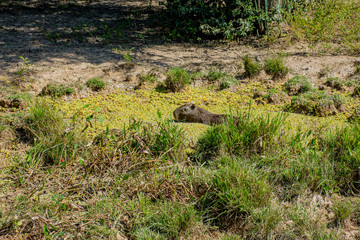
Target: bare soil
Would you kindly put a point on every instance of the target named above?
(65, 42)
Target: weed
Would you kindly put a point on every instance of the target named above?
(275, 67)
(52, 36)
(95, 84)
(252, 68)
(177, 79)
(334, 82)
(126, 55)
(56, 90)
(357, 67)
(224, 84)
(343, 210)
(213, 76)
(27, 69)
(356, 91)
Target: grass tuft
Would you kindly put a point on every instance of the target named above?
(166, 220)
(245, 134)
(234, 191)
(95, 84)
(47, 130)
(176, 80)
(343, 210)
(56, 90)
(297, 85)
(252, 68)
(276, 67)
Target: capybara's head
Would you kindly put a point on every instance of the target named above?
(187, 113)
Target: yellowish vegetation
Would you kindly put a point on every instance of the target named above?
(115, 109)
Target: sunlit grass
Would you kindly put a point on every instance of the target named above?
(115, 109)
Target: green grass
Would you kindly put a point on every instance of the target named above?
(334, 82)
(257, 177)
(57, 90)
(343, 210)
(317, 103)
(95, 84)
(357, 68)
(165, 220)
(46, 129)
(330, 21)
(356, 91)
(244, 135)
(297, 85)
(234, 191)
(251, 67)
(214, 76)
(176, 80)
(275, 67)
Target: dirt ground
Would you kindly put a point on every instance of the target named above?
(58, 52)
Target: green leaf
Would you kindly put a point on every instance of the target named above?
(126, 177)
(88, 119)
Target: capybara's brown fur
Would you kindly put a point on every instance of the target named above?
(194, 114)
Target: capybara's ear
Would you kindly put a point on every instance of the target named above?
(192, 106)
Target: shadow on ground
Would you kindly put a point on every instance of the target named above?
(73, 32)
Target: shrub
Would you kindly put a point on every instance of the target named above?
(275, 67)
(296, 85)
(95, 84)
(193, 19)
(56, 90)
(177, 79)
(251, 68)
